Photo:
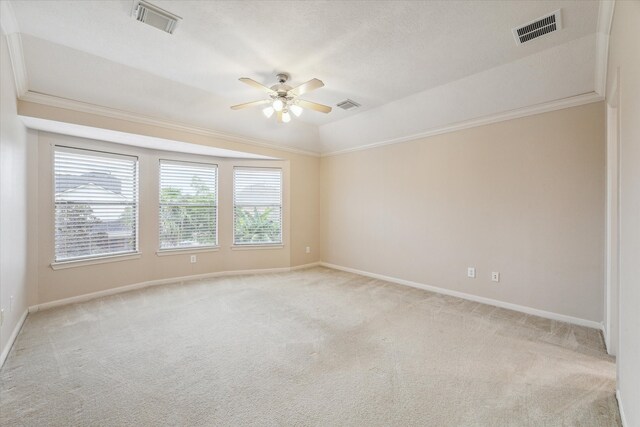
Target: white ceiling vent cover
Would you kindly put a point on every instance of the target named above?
(155, 16)
(348, 105)
(539, 27)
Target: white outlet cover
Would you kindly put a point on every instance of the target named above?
(471, 272)
(495, 276)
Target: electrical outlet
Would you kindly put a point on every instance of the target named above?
(194, 259)
(308, 249)
(471, 272)
(495, 276)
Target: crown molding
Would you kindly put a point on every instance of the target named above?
(83, 107)
(605, 18)
(14, 42)
(559, 104)
(69, 104)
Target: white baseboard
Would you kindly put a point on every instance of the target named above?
(605, 337)
(303, 266)
(471, 297)
(620, 407)
(12, 338)
(127, 288)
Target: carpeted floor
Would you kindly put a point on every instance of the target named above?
(307, 348)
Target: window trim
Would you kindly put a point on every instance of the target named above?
(254, 245)
(195, 248)
(61, 265)
(101, 258)
(187, 250)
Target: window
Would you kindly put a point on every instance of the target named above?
(257, 206)
(96, 204)
(188, 205)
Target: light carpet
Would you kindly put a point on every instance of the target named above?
(316, 347)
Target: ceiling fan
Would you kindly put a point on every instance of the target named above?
(283, 99)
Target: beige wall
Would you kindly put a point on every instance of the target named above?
(624, 61)
(523, 197)
(14, 204)
(301, 188)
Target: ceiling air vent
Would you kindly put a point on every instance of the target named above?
(541, 26)
(348, 105)
(155, 16)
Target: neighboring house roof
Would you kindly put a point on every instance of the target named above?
(88, 193)
(107, 181)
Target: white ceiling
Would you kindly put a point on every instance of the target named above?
(413, 65)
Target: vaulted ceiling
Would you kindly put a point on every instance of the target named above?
(416, 67)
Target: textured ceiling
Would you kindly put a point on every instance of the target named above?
(372, 52)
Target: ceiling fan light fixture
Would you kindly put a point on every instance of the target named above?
(278, 105)
(268, 112)
(284, 100)
(296, 109)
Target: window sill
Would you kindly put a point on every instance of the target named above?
(179, 251)
(92, 261)
(256, 247)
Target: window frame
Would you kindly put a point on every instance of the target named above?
(57, 264)
(193, 248)
(257, 245)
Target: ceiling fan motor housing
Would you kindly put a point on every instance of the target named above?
(281, 88)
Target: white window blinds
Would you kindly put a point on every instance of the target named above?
(188, 204)
(257, 206)
(96, 203)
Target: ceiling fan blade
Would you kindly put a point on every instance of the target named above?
(312, 84)
(257, 85)
(280, 116)
(250, 104)
(313, 106)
